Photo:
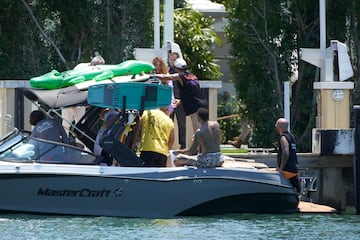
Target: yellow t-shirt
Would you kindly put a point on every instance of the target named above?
(155, 131)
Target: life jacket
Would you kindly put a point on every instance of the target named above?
(292, 163)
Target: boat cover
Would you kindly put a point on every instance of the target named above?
(57, 98)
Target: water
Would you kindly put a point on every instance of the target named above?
(237, 226)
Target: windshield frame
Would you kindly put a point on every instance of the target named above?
(10, 140)
(21, 147)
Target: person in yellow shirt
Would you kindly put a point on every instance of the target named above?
(157, 137)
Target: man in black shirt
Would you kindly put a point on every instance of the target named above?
(179, 112)
(191, 95)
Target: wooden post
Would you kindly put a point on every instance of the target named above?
(3, 110)
(9, 105)
(333, 103)
(332, 188)
(357, 158)
(213, 86)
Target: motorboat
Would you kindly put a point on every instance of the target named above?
(46, 177)
(76, 185)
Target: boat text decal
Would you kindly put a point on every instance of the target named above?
(85, 192)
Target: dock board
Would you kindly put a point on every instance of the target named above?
(308, 207)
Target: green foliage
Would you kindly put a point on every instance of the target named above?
(233, 112)
(179, 3)
(77, 29)
(265, 37)
(233, 151)
(17, 59)
(262, 46)
(196, 37)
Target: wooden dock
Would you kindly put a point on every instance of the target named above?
(308, 207)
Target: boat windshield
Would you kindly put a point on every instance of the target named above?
(10, 140)
(38, 150)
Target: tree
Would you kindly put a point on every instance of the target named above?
(266, 37)
(262, 61)
(196, 37)
(59, 34)
(18, 57)
(349, 11)
(56, 34)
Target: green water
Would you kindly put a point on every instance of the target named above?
(239, 226)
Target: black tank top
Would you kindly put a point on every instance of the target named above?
(292, 163)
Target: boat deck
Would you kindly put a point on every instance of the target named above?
(308, 207)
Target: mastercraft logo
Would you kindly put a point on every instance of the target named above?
(118, 192)
(85, 192)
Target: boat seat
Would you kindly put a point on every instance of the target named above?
(88, 126)
(110, 142)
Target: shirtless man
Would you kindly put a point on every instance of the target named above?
(207, 138)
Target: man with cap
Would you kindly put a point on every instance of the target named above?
(179, 112)
(191, 95)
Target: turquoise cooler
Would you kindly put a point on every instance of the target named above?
(130, 96)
